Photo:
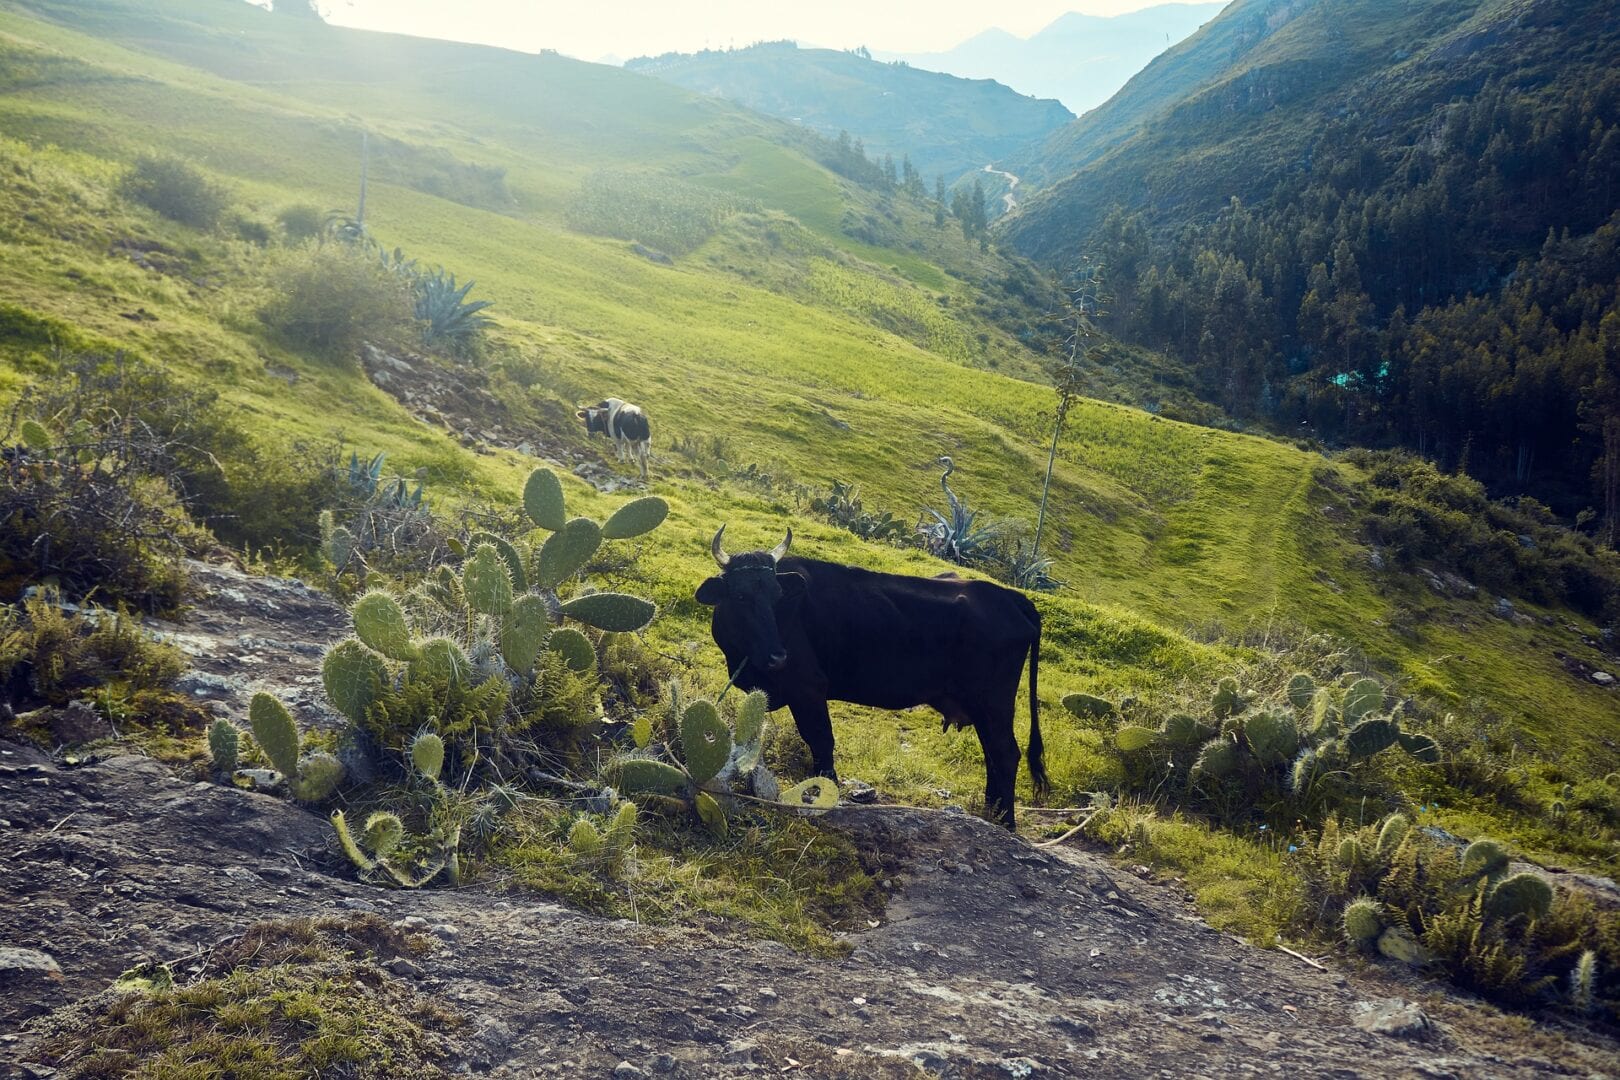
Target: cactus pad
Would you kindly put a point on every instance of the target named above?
(1301, 691)
(1088, 706)
(1394, 830)
(276, 734)
(352, 675)
(319, 775)
(1272, 736)
(346, 840)
(427, 755)
(566, 550)
(525, 632)
(383, 833)
(1521, 894)
(614, 612)
(705, 741)
(816, 793)
(1228, 699)
(543, 499)
(1363, 921)
(1422, 748)
(35, 437)
(750, 728)
(1133, 737)
(1484, 856)
(441, 659)
(636, 517)
(340, 547)
(1371, 736)
(1302, 774)
(641, 731)
(574, 647)
(1364, 696)
(712, 814)
(486, 581)
(379, 622)
(1218, 758)
(1324, 716)
(1351, 853)
(508, 553)
(224, 741)
(1184, 731)
(584, 839)
(645, 776)
(621, 831)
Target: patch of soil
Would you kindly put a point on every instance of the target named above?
(460, 403)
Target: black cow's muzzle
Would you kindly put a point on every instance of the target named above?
(777, 662)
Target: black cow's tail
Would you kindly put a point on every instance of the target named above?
(1037, 762)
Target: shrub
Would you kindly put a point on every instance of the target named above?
(51, 656)
(328, 300)
(841, 506)
(177, 190)
(301, 222)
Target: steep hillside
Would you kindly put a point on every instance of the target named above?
(1080, 60)
(943, 124)
(1391, 223)
(785, 329)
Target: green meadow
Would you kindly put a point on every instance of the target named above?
(807, 354)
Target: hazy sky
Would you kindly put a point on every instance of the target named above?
(592, 29)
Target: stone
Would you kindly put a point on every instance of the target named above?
(1394, 1017)
(19, 966)
(859, 791)
(78, 723)
(1602, 678)
(740, 1052)
(626, 1071)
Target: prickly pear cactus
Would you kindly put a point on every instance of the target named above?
(1228, 699)
(1522, 894)
(319, 775)
(35, 437)
(1302, 774)
(1133, 737)
(1397, 943)
(1363, 697)
(486, 581)
(1272, 736)
(567, 550)
(645, 776)
(441, 659)
(543, 500)
(635, 518)
(352, 676)
(711, 813)
(1421, 747)
(1351, 854)
(1088, 706)
(614, 612)
(379, 623)
(1391, 834)
(750, 732)
(276, 734)
(509, 555)
(1363, 921)
(427, 755)
(1217, 759)
(1184, 732)
(584, 839)
(705, 741)
(224, 742)
(1301, 691)
(524, 632)
(1371, 736)
(816, 793)
(575, 649)
(1324, 722)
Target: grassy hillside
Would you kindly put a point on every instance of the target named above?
(792, 350)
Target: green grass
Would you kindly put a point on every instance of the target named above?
(818, 358)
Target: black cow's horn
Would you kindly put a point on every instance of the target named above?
(719, 556)
(781, 549)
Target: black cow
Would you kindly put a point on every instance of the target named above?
(806, 631)
(625, 424)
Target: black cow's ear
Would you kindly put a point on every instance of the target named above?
(711, 592)
(793, 584)
(579, 414)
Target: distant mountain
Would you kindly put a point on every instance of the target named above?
(1079, 59)
(1391, 221)
(945, 124)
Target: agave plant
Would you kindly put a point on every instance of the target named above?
(956, 537)
(1027, 569)
(447, 316)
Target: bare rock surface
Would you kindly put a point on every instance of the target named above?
(992, 959)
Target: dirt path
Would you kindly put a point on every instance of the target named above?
(993, 959)
(1009, 198)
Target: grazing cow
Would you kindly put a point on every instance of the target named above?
(806, 631)
(625, 424)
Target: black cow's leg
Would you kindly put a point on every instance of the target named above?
(815, 728)
(1000, 769)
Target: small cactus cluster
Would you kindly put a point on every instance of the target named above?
(494, 619)
(311, 777)
(606, 848)
(385, 852)
(383, 511)
(718, 761)
(1311, 733)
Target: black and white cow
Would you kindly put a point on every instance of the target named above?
(625, 424)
